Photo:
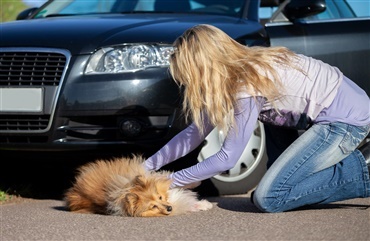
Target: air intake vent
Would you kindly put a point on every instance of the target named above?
(23, 122)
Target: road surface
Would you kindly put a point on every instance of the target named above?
(232, 218)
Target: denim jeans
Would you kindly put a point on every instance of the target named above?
(278, 139)
(321, 166)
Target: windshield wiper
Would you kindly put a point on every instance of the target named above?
(60, 15)
(73, 14)
(125, 12)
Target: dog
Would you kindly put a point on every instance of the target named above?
(123, 187)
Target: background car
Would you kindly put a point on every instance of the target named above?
(77, 75)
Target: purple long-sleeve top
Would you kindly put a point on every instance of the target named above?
(319, 94)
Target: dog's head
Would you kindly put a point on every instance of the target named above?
(147, 197)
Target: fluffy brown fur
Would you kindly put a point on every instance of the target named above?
(123, 187)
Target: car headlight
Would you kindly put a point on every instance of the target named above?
(129, 57)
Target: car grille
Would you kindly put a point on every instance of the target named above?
(31, 68)
(24, 122)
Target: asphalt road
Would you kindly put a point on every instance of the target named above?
(232, 218)
(42, 215)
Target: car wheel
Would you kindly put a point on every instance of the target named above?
(249, 169)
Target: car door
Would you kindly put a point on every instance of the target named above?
(339, 36)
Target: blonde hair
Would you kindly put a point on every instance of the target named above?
(213, 68)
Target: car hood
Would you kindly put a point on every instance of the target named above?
(84, 34)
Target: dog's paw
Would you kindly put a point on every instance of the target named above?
(202, 205)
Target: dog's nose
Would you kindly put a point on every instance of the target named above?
(169, 208)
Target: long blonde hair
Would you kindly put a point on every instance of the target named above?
(213, 68)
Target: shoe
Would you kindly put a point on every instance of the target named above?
(365, 150)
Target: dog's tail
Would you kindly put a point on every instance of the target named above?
(75, 202)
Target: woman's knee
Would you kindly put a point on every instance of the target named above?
(266, 203)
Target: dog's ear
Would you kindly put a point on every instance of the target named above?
(130, 203)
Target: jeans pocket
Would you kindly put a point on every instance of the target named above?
(365, 129)
(352, 139)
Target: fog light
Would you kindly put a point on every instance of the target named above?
(130, 128)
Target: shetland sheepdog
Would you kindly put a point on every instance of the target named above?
(123, 187)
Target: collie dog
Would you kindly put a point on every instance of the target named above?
(123, 187)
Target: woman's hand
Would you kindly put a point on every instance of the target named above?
(192, 185)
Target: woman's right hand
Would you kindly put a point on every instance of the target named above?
(191, 185)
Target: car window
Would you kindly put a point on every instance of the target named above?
(266, 12)
(200, 6)
(70, 7)
(335, 9)
(75, 7)
(234, 6)
(360, 7)
(94, 6)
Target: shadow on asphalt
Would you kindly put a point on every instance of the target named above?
(335, 206)
(61, 208)
(235, 204)
(43, 175)
(48, 175)
(243, 204)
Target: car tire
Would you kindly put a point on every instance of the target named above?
(250, 167)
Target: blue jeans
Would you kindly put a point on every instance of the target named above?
(321, 166)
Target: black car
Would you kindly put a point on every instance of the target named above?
(82, 75)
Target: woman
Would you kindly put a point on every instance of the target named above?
(230, 86)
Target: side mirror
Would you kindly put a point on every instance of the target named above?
(26, 13)
(303, 8)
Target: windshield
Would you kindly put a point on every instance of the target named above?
(80, 7)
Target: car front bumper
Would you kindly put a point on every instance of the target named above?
(88, 111)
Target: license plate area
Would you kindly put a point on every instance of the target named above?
(21, 100)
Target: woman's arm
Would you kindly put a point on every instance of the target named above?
(232, 149)
(183, 143)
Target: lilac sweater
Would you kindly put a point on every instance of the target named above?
(323, 95)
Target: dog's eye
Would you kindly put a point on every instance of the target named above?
(160, 197)
(154, 206)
